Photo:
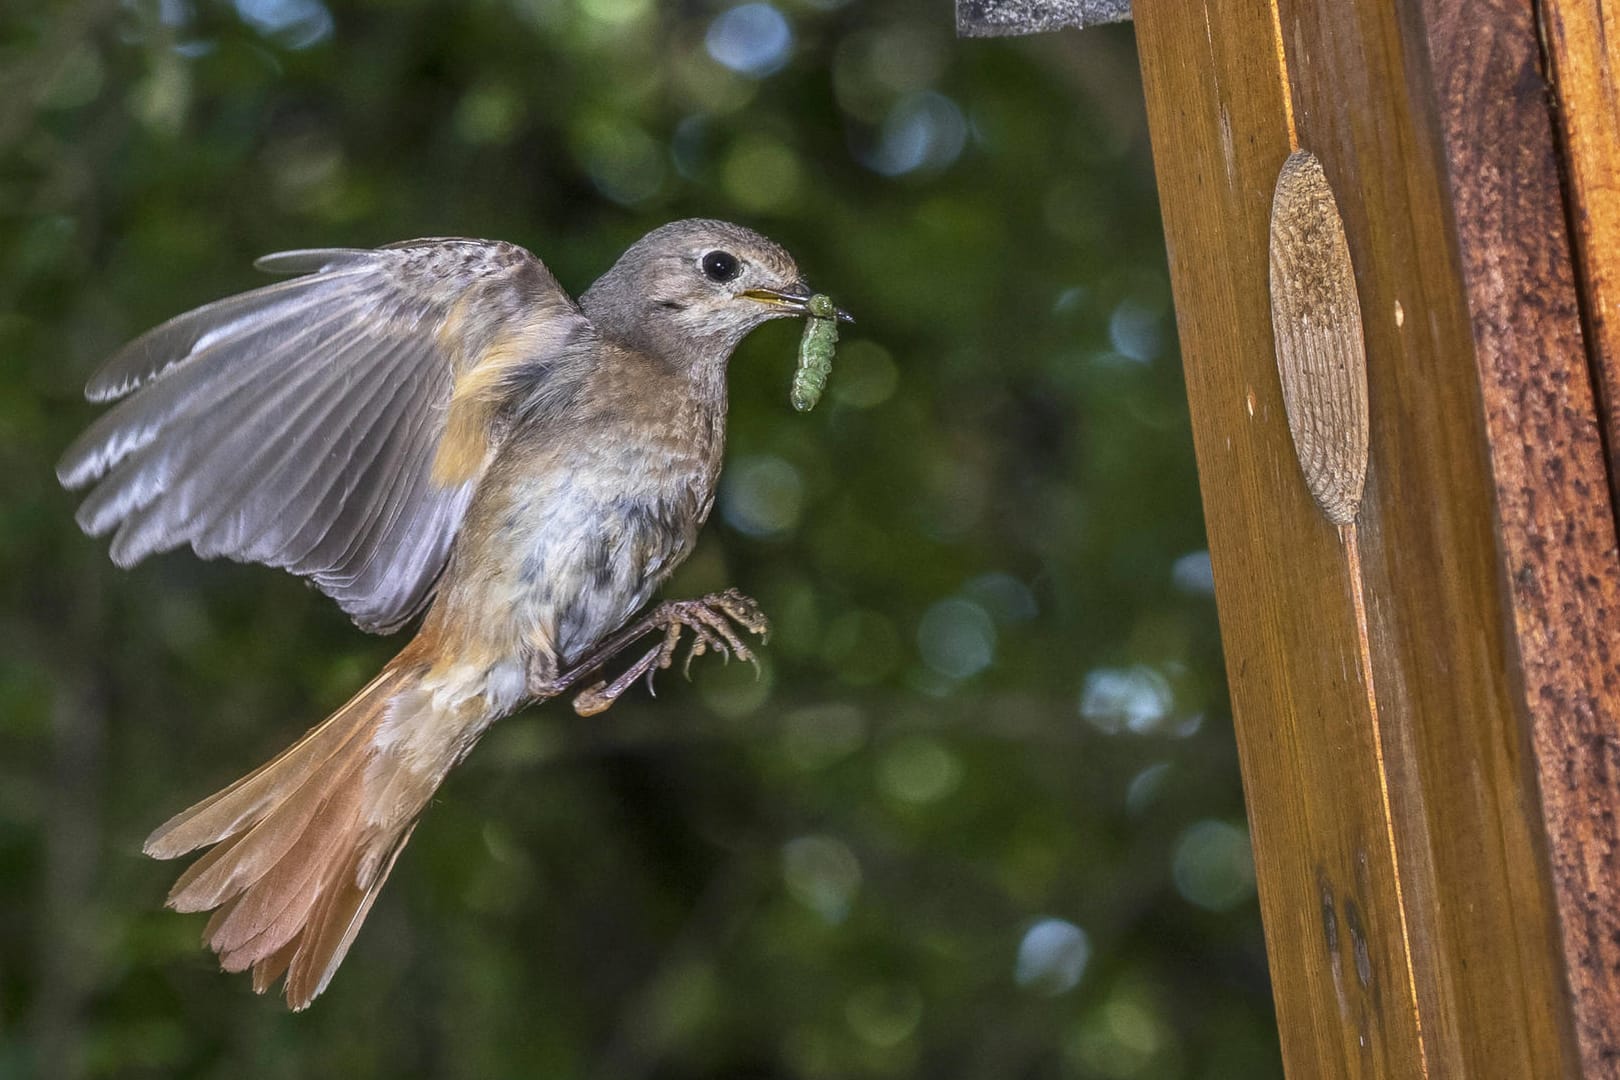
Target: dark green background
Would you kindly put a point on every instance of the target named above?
(993, 702)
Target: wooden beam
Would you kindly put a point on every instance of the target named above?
(1583, 43)
(1556, 521)
(1400, 683)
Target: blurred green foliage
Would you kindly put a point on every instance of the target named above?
(979, 818)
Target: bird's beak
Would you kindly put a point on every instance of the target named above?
(795, 299)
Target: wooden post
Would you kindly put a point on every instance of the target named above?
(1582, 40)
(1426, 694)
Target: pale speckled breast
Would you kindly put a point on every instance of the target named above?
(576, 526)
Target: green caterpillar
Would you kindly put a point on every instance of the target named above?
(816, 350)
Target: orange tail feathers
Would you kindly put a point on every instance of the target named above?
(301, 846)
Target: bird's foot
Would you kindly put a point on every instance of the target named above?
(713, 620)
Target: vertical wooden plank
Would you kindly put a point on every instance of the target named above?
(1465, 75)
(1311, 749)
(1383, 715)
(1583, 44)
(1558, 532)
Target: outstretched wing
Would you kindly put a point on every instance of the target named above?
(334, 424)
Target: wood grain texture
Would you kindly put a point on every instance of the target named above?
(1310, 746)
(1582, 40)
(1393, 680)
(1316, 320)
(1556, 521)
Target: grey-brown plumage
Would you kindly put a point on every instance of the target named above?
(433, 424)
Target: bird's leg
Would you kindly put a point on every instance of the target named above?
(709, 618)
(601, 695)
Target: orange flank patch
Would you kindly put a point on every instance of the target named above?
(479, 387)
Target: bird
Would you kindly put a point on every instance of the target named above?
(430, 428)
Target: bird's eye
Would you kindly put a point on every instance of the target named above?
(720, 266)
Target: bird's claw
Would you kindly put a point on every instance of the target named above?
(713, 621)
(593, 699)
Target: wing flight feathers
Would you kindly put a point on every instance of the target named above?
(334, 424)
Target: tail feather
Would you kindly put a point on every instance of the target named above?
(181, 895)
(304, 815)
(302, 845)
(343, 906)
(273, 967)
(248, 925)
(268, 915)
(242, 804)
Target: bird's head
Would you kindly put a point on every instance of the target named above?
(697, 284)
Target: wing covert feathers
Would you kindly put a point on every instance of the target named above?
(333, 424)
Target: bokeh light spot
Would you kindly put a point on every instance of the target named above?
(1071, 300)
(624, 162)
(1136, 699)
(750, 39)
(162, 99)
(1136, 330)
(1213, 866)
(1003, 596)
(1125, 1038)
(761, 175)
(815, 736)
(762, 497)
(919, 770)
(307, 172)
(923, 131)
(615, 12)
(1192, 574)
(488, 114)
(884, 1015)
(738, 688)
(822, 874)
(1145, 787)
(1052, 957)
(864, 374)
(295, 24)
(171, 12)
(957, 638)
